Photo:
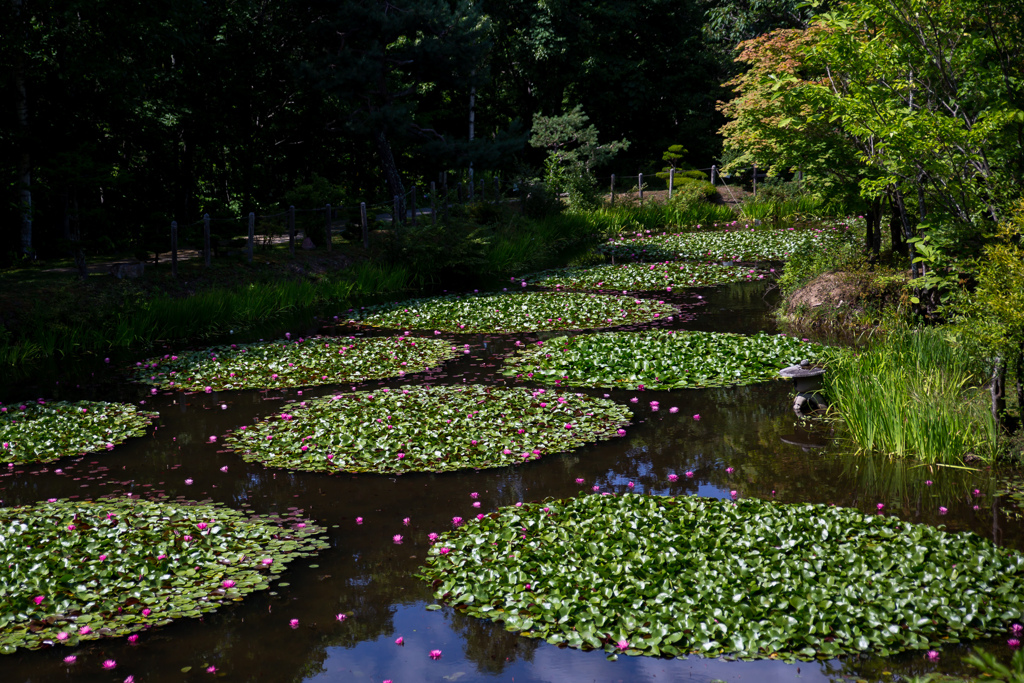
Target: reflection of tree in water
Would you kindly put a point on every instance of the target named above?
(490, 645)
(904, 666)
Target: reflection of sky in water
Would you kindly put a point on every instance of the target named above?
(381, 659)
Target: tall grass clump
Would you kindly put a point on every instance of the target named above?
(915, 394)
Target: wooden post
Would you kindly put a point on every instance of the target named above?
(366, 226)
(713, 170)
(413, 219)
(470, 183)
(396, 220)
(291, 230)
(252, 236)
(433, 203)
(174, 248)
(640, 186)
(671, 181)
(613, 189)
(206, 239)
(446, 198)
(330, 237)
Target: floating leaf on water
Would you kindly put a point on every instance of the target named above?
(660, 359)
(432, 429)
(144, 543)
(658, 575)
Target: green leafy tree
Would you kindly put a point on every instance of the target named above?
(573, 152)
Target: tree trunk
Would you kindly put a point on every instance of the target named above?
(907, 231)
(391, 176)
(896, 229)
(873, 233)
(24, 157)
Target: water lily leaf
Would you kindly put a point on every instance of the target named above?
(653, 575)
(644, 277)
(83, 570)
(660, 359)
(736, 242)
(294, 363)
(432, 429)
(526, 312)
(42, 431)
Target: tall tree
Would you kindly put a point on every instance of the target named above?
(379, 58)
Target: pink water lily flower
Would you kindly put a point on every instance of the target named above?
(673, 477)
(109, 664)
(435, 654)
(399, 641)
(397, 538)
(623, 644)
(294, 623)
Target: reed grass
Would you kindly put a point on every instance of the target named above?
(915, 394)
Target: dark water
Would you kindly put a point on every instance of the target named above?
(367, 576)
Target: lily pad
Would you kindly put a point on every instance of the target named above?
(78, 570)
(41, 431)
(526, 312)
(299, 363)
(736, 244)
(660, 359)
(429, 429)
(651, 575)
(645, 277)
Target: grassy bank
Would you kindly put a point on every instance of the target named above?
(918, 394)
(48, 312)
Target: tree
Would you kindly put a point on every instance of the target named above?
(378, 59)
(573, 152)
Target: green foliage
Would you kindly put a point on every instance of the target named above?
(529, 312)
(427, 429)
(316, 193)
(993, 669)
(688, 191)
(915, 394)
(108, 568)
(809, 260)
(643, 277)
(660, 359)
(654, 575)
(299, 363)
(573, 152)
(997, 305)
(40, 431)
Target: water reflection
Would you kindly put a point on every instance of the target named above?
(371, 580)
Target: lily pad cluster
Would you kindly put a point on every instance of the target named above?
(651, 575)
(287, 363)
(41, 431)
(738, 244)
(76, 571)
(525, 312)
(427, 429)
(660, 359)
(645, 277)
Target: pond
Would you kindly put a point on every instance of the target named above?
(369, 579)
